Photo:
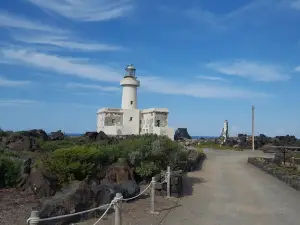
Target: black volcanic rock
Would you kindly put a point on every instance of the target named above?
(58, 135)
(181, 134)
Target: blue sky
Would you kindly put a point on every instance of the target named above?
(207, 61)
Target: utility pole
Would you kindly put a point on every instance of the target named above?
(253, 128)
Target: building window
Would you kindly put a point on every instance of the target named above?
(130, 119)
(113, 121)
(158, 123)
(131, 102)
(140, 121)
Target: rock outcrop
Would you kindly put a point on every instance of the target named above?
(119, 172)
(80, 196)
(181, 134)
(24, 140)
(37, 180)
(57, 135)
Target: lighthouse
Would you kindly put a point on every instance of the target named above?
(130, 85)
(129, 120)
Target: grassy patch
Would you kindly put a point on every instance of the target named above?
(216, 146)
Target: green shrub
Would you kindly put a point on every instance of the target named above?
(9, 171)
(50, 146)
(149, 154)
(76, 162)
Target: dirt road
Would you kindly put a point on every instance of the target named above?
(229, 191)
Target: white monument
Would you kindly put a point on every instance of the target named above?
(224, 134)
(129, 119)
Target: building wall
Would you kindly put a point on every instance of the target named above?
(147, 124)
(131, 121)
(113, 118)
(108, 119)
(134, 121)
(113, 130)
(162, 117)
(100, 121)
(166, 131)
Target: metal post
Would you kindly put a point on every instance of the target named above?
(168, 182)
(117, 207)
(34, 218)
(153, 182)
(253, 147)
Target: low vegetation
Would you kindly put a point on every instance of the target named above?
(10, 165)
(212, 144)
(78, 158)
(148, 154)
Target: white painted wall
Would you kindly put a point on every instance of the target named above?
(131, 121)
(100, 121)
(167, 131)
(147, 123)
(129, 95)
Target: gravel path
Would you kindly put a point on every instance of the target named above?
(229, 191)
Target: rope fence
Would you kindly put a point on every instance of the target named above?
(115, 203)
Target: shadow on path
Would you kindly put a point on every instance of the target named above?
(188, 184)
(189, 180)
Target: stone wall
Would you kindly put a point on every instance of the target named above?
(112, 119)
(162, 117)
(265, 164)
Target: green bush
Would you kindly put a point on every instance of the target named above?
(10, 165)
(51, 146)
(9, 171)
(149, 154)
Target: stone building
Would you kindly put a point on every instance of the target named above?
(129, 119)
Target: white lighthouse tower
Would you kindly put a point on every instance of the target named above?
(130, 85)
(129, 120)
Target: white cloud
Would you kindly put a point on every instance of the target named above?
(16, 102)
(88, 10)
(257, 12)
(94, 87)
(61, 65)
(297, 69)
(67, 43)
(205, 17)
(199, 91)
(211, 78)
(295, 4)
(12, 21)
(251, 70)
(4, 82)
(84, 69)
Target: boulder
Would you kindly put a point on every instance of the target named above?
(37, 180)
(129, 189)
(19, 142)
(119, 172)
(80, 196)
(91, 135)
(38, 133)
(77, 197)
(58, 135)
(24, 140)
(101, 136)
(181, 134)
(42, 184)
